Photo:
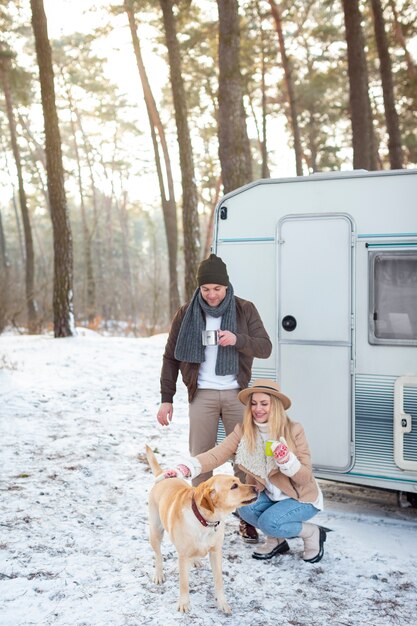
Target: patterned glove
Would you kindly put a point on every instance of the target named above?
(181, 471)
(185, 471)
(280, 451)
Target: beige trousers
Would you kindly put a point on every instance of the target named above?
(205, 410)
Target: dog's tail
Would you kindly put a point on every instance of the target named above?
(154, 465)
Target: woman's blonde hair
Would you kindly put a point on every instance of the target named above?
(279, 423)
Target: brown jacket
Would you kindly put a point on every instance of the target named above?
(252, 341)
(302, 486)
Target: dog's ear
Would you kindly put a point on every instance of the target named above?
(207, 499)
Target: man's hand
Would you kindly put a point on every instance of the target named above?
(165, 413)
(226, 338)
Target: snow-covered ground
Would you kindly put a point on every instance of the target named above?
(75, 415)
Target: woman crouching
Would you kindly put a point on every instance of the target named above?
(273, 452)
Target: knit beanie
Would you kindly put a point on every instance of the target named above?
(212, 271)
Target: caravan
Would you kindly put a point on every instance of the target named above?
(330, 261)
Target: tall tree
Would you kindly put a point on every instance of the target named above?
(399, 34)
(364, 155)
(289, 82)
(191, 229)
(234, 147)
(265, 173)
(63, 256)
(90, 285)
(4, 279)
(158, 133)
(5, 68)
(257, 52)
(391, 115)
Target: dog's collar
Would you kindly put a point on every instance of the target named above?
(200, 518)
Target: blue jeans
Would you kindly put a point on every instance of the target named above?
(277, 519)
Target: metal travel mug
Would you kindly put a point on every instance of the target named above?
(209, 337)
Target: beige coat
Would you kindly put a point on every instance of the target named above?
(301, 486)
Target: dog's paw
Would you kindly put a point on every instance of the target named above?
(183, 605)
(197, 563)
(158, 577)
(223, 606)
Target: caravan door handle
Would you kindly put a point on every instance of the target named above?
(402, 422)
(289, 323)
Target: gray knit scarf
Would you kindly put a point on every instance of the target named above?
(189, 346)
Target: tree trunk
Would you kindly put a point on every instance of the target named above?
(210, 225)
(90, 286)
(391, 116)
(4, 280)
(127, 271)
(30, 255)
(63, 259)
(265, 173)
(289, 82)
(168, 202)
(261, 129)
(191, 228)
(96, 230)
(411, 66)
(360, 106)
(39, 154)
(234, 147)
(20, 243)
(312, 128)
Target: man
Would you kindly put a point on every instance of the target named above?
(213, 374)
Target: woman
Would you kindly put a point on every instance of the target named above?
(213, 374)
(273, 452)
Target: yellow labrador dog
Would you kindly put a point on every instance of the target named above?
(194, 520)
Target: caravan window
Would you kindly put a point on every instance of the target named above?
(393, 297)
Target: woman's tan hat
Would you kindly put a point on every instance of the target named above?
(264, 385)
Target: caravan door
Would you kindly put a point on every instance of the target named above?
(315, 331)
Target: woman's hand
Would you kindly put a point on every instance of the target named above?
(181, 471)
(280, 451)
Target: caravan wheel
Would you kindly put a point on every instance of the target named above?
(406, 499)
(412, 499)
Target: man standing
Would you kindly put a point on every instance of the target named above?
(213, 374)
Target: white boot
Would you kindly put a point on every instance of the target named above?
(314, 538)
(271, 547)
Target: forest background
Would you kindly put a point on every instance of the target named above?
(123, 123)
